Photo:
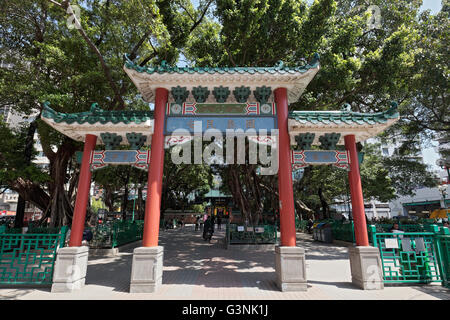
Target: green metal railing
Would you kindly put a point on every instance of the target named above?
(408, 257)
(443, 252)
(29, 258)
(343, 230)
(260, 234)
(116, 233)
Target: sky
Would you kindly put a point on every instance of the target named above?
(433, 5)
(430, 155)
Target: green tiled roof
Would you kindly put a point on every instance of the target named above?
(347, 117)
(97, 115)
(278, 69)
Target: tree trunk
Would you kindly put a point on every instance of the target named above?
(125, 197)
(31, 192)
(109, 198)
(61, 206)
(140, 209)
(124, 203)
(325, 207)
(20, 210)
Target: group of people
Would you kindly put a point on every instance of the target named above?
(173, 223)
(206, 223)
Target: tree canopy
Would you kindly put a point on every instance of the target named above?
(404, 58)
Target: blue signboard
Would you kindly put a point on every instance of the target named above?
(119, 156)
(323, 156)
(220, 123)
(304, 158)
(138, 158)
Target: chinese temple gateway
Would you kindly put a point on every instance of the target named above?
(248, 100)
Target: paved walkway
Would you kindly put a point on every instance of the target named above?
(196, 270)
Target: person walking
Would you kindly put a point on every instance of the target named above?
(208, 229)
(87, 235)
(219, 223)
(197, 223)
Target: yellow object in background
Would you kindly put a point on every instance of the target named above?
(440, 213)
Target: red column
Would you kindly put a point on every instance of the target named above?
(84, 186)
(155, 173)
(285, 191)
(359, 217)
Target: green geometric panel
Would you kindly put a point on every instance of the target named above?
(329, 140)
(179, 94)
(29, 258)
(262, 94)
(304, 140)
(410, 259)
(241, 94)
(221, 93)
(111, 140)
(200, 94)
(136, 140)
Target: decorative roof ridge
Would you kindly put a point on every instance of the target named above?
(164, 67)
(96, 114)
(390, 113)
(94, 110)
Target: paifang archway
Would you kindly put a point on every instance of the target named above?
(247, 98)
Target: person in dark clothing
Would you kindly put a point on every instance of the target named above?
(219, 223)
(310, 225)
(87, 236)
(197, 223)
(208, 228)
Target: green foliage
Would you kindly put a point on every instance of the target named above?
(97, 204)
(12, 158)
(199, 208)
(181, 180)
(403, 59)
(73, 68)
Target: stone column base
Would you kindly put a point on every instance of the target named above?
(70, 269)
(147, 269)
(366, 268)
(290, 268)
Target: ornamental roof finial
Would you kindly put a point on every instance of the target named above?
(315, 59)
(346, 107)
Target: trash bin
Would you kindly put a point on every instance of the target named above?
(317, 232)
(327, 235)
(323, 233)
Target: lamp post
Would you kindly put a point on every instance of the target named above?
(443, 189)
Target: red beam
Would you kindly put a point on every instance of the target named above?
(155, 173)
(84, 186)
(354, 178)
(285, 187)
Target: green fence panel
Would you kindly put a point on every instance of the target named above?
(408, 257)
(116, 233)
(343, 230)
(29, 258)
(43, 230)
(248, 236)
(102, 236)
(443, 252)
